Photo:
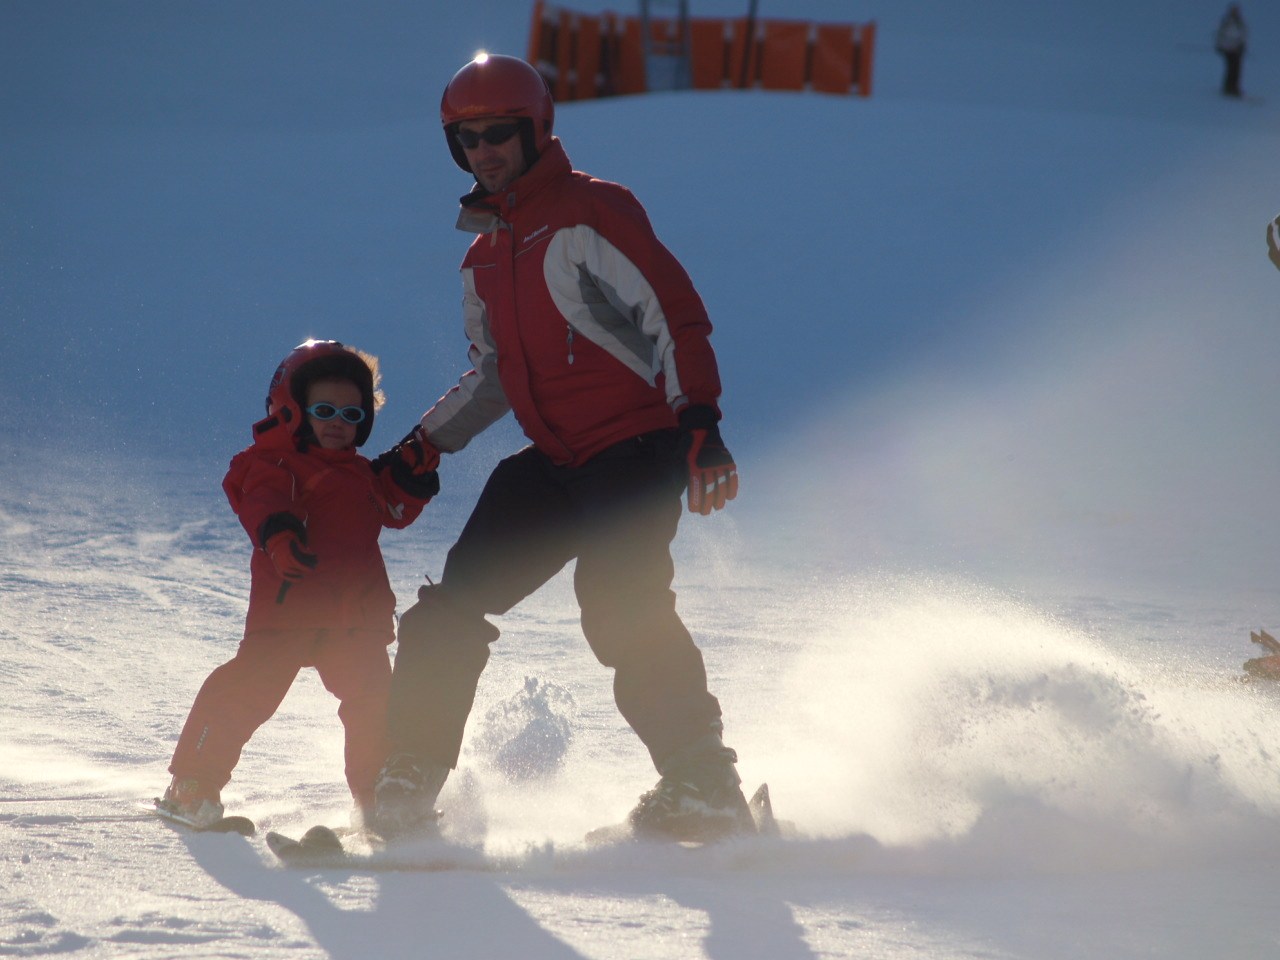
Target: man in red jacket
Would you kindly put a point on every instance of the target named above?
(586, 327)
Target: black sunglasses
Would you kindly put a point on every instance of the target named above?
(327, 411)
(494, 135)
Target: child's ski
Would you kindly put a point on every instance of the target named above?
(233, 824)
(323, 847)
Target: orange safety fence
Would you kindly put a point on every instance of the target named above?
(709, 59)
(584, 56)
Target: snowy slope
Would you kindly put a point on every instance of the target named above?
(998, 346)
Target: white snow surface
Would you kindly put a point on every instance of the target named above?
(999, 349)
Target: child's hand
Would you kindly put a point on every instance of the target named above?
(414, 452)
(412, 463)
(288, 557)
(420, 454)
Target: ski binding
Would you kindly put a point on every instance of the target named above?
(761, 812)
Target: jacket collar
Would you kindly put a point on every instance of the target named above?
(273, 436)
(345, 455)
(483, 212)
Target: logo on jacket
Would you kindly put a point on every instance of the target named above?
(537, 233)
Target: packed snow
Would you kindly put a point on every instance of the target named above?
(999, 350)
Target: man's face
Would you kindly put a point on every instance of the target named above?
(496, 165)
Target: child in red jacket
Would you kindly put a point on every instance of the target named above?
(319, 595)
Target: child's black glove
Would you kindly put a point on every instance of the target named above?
(412, 463)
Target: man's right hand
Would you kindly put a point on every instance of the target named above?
(288, 556)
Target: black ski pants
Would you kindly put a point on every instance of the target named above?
(616, 515)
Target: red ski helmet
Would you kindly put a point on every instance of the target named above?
(494, 85)
(308, 362)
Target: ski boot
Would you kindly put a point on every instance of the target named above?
(699, 797)
(187, 801)
(405, 797)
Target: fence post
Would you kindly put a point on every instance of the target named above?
(535, 34)
(587, 65)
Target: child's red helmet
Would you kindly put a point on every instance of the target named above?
(494, 85)
(308, 362)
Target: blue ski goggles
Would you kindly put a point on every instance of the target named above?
(327, 411)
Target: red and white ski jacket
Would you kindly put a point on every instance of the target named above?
(343, 506)
(581, 322)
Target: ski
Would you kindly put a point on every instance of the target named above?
(231, 824)
(322, 847)
(317, 847)
(761, 812)
(326, 848)
(1266, 667)
(1266, 641)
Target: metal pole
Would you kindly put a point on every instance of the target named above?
(747, 43)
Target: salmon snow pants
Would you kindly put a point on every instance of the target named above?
(616, 515)
(239, 696)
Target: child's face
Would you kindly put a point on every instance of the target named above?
(335, 433)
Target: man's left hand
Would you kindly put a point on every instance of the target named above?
(713, 476)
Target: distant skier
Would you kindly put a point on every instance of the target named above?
(1230, 41)
(319, 594)
(586, 326)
